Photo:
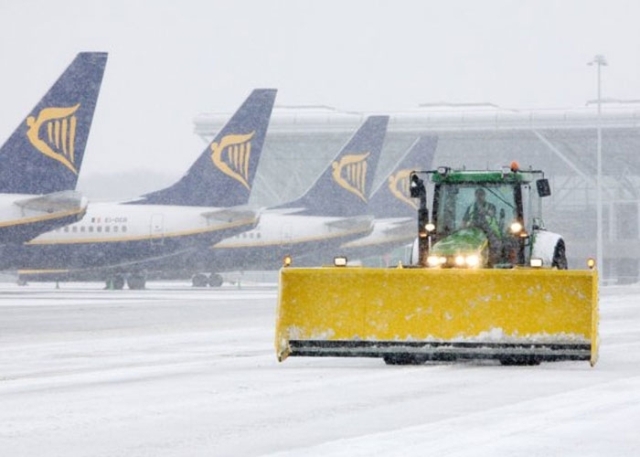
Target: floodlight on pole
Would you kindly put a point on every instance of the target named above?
(599, 61)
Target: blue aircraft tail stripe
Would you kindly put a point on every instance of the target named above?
(223, 174)
(44, 154)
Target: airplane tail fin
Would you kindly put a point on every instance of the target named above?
(223, 174)
(344, 188)
(44, 154)
(392, 198)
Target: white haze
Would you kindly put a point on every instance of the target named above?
(171, 60)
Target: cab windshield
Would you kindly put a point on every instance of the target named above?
(457, 204)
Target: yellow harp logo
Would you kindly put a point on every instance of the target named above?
(399, 187)
(351, 173)
(58, 129)
(231, 156)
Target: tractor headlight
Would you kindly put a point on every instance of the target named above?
(515, 227)
(430, 227)
(473, 260)
(435, 260)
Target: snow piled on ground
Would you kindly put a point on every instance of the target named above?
(172, 371)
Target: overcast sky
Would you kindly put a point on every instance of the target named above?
(171, 60)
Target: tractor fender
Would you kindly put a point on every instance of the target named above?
(544, 245)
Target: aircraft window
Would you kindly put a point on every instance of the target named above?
(250, 235)
(82, 228)
(107, 228)
(74, 229)
(258, 235)
(124, 228)
(115, 228)
(66, 229)
(91, 228)
(99, 228)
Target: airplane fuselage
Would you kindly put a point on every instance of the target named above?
(122, 235)
(264, 247)
(277, 235)
(294, 235)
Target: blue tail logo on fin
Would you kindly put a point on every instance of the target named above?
(344, 187)
(44, 154)
(399, 187)
(59, 134)
(350, 173)
(223, 173)
(392, 198)
(231, 156)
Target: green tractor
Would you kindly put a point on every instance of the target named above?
(488, 282)
(485, 219)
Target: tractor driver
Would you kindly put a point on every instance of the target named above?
(480, 211)
(482, 214)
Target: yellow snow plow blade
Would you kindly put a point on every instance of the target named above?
(413, 315)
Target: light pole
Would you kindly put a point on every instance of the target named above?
(599, 61)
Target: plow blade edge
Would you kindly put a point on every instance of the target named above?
(408, 315)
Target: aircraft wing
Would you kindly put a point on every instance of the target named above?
(67, 200)
(231, 214)
(401, 228)
(350, 223)
(284, 210)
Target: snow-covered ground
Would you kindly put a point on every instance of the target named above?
(172, 371)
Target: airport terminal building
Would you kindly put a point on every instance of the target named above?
(301, 141)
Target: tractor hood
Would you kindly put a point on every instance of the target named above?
(464, 241)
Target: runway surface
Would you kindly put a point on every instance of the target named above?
(173, 371)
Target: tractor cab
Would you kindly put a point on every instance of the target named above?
(482, 218)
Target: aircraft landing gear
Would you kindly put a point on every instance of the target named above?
(202, 280)
(215, 280)
(199, 280)
(136, 281)
(115, 282)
